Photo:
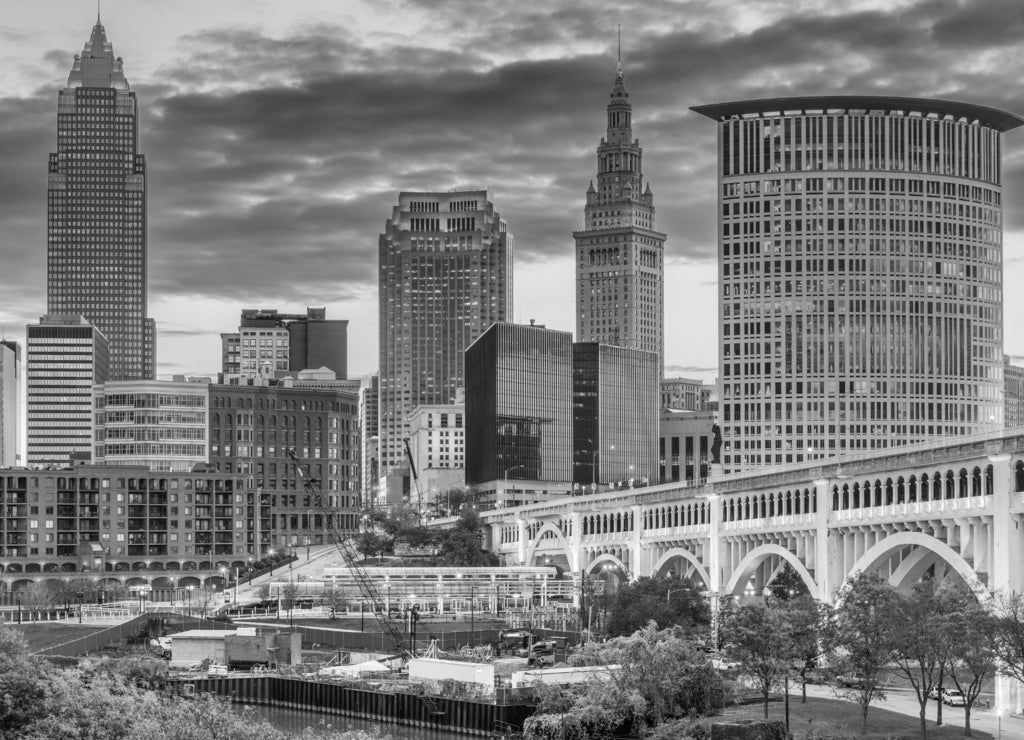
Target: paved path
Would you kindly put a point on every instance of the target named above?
(905, 702)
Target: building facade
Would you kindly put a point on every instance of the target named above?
(272, 344)
(369, 424)
(65, 357)
(684, 446)
(160, 424)
(1013, 381)
(252, 427)
(860, 274)
(518, 407)
(620, 272)
(437, 440)
(10, 403)
(615, 407)
(445, 275)
(110, 519)
(683, 394)
(96, 210)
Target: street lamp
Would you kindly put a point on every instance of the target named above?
(79, 595)
(507, 471)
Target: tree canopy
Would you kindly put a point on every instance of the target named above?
(667, 602)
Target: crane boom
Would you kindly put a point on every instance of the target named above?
(348, 553)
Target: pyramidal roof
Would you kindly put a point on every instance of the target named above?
(97, 66)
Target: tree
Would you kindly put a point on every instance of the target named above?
(36, 597)
(661, 674)
(862, 639)
(22, 690)
(972, 656)
(768, 639)
(1009, 634)
(461, 545)
(920, 630)
(371, 543)
(787, 584)
(665, 601)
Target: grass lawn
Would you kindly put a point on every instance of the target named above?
(834, 717)
(46, 634)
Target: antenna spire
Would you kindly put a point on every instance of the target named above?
(97, 12)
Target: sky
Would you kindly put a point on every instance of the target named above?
(278, 134)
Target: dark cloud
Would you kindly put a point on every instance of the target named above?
(275, 160)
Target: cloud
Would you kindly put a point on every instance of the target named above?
(274, 159)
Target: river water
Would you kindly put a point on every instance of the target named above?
(296, 720)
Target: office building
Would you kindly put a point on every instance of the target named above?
(684, 446)
(620, 272)
(860, 274)
(10, 403)
(519, 414)
(271, 344)
(252, 427)
(96, 210)
(437, 440)
(65, 357)
(445, 276)
(615, 396)
(1013, 381)
(683, 394)
(369, 423)
(160, 424)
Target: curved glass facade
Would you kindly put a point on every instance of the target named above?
(860, 275)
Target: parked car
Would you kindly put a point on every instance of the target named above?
(953, 697)
(933, 693)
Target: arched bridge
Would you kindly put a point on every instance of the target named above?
(951, 508)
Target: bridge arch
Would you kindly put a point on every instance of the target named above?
(563, 543)
(679, 552)
(927, 550)
(741, 575)
(606, 557)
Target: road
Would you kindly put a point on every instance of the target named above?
(905, 702)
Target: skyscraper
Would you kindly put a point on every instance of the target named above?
(10, 416)
(445, 276)
(96, 210)
(65, 357)
(860, 274)
(620, 273)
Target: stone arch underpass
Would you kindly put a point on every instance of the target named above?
(762, 563)
(904, 557)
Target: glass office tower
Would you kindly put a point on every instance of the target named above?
(615, 395)
(860, 274)
(518, 405)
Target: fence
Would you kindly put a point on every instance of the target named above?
(473, 717)
(125, 633)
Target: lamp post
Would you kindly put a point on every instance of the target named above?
(505, 489)
(472, 612)
(593, 468)
(79, 595)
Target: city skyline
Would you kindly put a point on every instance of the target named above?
(267, 166)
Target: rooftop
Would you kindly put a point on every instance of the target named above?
(997, 119)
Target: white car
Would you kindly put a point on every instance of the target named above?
(953, 697)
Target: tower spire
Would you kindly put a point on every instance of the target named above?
(619, 68)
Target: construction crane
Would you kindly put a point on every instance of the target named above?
(366, 585)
